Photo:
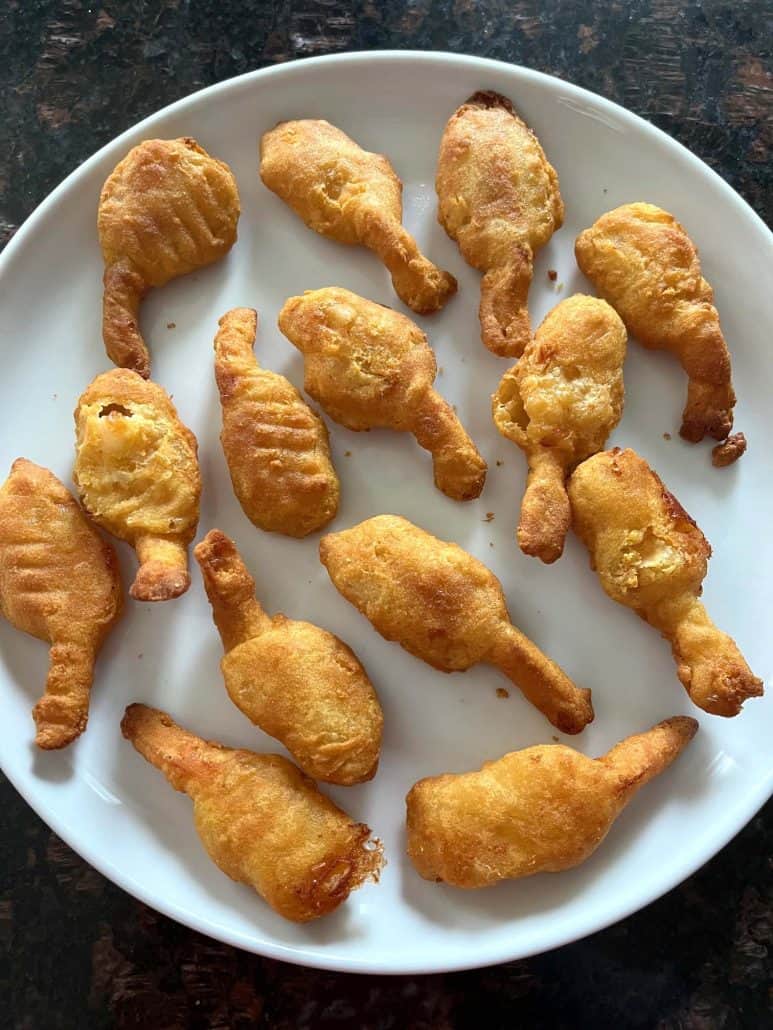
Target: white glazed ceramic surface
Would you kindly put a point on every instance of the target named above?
(114, 808)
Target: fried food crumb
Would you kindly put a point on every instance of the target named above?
(140, 655)
(552, 274)
(489, 516)
(499, 463)
(171, 325)
(728, 451)
(554, 738)
(501, 692)
(666, 436)
(347, 454)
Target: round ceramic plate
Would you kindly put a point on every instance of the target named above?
(114, 808)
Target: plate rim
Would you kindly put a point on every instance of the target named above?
(579, 929)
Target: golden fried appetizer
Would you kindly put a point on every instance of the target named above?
(559, 404)
(371, 367)
(540, 810)
(651, 557)
(276, 447)
(138, 477)
(260, 819)
(499, 199)
(445, 607)
(643, 262)
(295, 681)
(352, 196)
(167, 209)
(59, 581)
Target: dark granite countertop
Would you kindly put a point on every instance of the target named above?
(77, 952)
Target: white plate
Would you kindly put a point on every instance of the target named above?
(116, 810)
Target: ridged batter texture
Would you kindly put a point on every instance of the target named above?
(643, 262)
(371, 367)
(261, 821)
(650, 556)
(540, 810)
(445, 607)
(352, 196)
(295, 681)
(276, 447)
(59, 581)
(167, 209)
(137, 474)
(559, 404)
(499, 199)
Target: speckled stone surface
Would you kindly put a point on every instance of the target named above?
(75, 951)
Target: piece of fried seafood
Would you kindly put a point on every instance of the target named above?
(650, 556)
(540, 810)
(165, 210)
(499, 199)
(352, 196)
(276, 447)
(559, 404)
(294, 680)
(642, 261)
(445, 607)
(260, 819)
(371, 367)
(137, 475)
(59, 582)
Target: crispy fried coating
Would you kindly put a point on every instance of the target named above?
(643, 262)
(276, 447)
(371, 367)
(499, 199)
(559, 404)
(59, 581)
(138, 477)
(352, 196)
(540, 810)
(445, 607)
(167, 209)
(650, 556)
(729, 451)
(260, 819)
(295, 681)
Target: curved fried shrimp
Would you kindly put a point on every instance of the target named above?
(651, 557)
(138, 477)
(59, 581)
(296, 681)
(276, 447)
(643, 262)
(352, 196)
(559, 404)
(540, 810)
(167, 209)
(499, 199)
(371, 367)
(262, 822)
(447, 608)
